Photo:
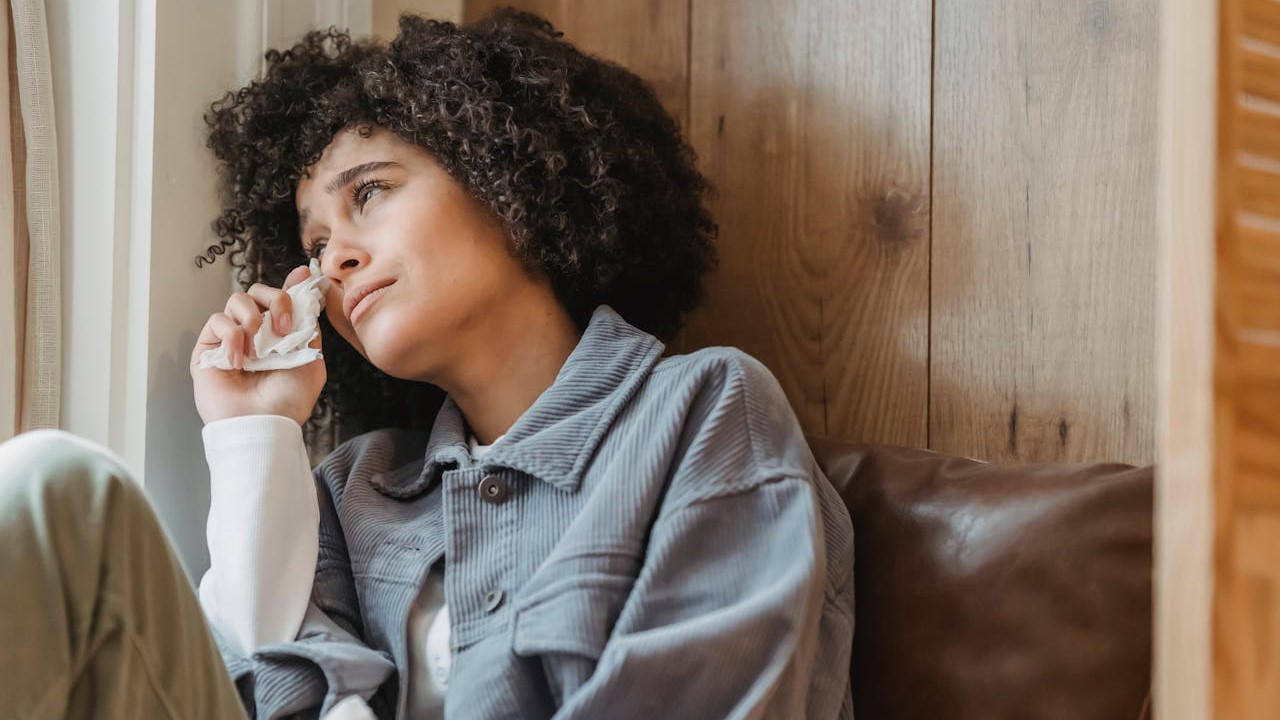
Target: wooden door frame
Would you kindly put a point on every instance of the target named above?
(1184, 583)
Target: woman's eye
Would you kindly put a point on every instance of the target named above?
(316, 249)
(366, 191)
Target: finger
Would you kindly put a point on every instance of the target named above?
(215, 329)
(278, 303)
(245, 310)
(296, 275)
(221, 330)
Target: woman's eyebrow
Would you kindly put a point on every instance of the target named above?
(351, 173)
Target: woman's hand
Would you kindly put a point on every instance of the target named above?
(222, 394)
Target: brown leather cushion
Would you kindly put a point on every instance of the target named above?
(991, 592)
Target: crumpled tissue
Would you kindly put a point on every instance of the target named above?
(275, 352)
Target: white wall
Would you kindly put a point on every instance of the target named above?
(201, 50)
(132, 79)
(89, 80)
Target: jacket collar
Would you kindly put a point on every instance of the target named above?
(555, 439)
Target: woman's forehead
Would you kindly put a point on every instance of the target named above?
(348, 149)
(350, 146)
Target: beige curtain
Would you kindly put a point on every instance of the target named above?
(30, 285)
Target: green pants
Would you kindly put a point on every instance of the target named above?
(97, 617)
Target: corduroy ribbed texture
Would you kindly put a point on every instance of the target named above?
(665, 546)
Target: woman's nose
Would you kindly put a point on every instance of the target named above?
(340, 258)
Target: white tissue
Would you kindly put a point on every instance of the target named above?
(274, 352)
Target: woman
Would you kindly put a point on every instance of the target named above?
(584, 528)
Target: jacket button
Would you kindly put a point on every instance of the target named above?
(493, 600)
(493, 490)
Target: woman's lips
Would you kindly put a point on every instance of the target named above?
(361, 307)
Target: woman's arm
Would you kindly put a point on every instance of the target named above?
(263, 530)
(279, 593)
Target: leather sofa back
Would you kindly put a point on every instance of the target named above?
(990, 592)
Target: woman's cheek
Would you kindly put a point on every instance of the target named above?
(338, 319)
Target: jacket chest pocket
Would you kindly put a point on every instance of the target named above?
(563, 628)
(572, 616)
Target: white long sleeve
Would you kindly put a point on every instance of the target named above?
(263, 530)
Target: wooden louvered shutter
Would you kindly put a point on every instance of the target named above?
(1246, 611)
(1218, 498)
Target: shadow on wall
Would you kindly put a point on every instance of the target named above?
(177, 478)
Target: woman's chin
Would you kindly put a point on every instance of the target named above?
(395, 359)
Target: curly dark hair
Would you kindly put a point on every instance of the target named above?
(595, 186)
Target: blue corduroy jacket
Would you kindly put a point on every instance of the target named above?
(651, 539)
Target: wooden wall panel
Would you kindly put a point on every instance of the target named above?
(812, 118)
(1013, 319)
(1044, 229)
(386, 14)
(650, 37)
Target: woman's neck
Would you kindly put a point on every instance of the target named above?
(507, 371)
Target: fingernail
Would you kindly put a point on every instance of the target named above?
(285, 323)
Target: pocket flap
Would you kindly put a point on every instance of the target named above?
(575, 615)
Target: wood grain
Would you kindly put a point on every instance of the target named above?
(812, 118)
(386, 14)
(649, 37)
(1260, 70)
(1182, 685)
(1262, 17)
(1260, 132)
(1252, 305)
(1025, 331)
(1246, 611)
(1257, 191)
(1044, 230)
(1258, 619)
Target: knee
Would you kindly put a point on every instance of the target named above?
(54, 462)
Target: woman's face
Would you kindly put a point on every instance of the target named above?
(415, 263)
